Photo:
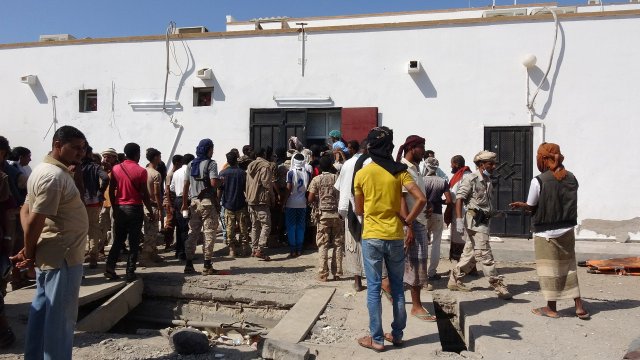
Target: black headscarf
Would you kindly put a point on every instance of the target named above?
(202, 154)
(380, 149)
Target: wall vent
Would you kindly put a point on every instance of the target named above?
(190, 30)
(57, 37)
(558, 10)
(499, 13)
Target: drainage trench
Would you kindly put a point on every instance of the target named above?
(449, 324)
(158, 313)
(230, 313)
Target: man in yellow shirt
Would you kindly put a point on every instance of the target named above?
(378, 194)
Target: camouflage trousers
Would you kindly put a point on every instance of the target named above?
(203, 218)
(476, 250)
(106, 226)
(330, 233)
(94, 234)
(260, 226)
(150, 240)
(237, 222)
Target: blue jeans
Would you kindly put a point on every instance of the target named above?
(296, 221)
(53, 313)
(374, 252)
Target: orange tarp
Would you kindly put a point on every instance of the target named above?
(620, 266)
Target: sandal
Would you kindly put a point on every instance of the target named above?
(584, 316)
(425, 317)
(367, 342)
(544, 313)
(261, 256)
(388, 337)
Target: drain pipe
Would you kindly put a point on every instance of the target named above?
(180, 128)
(195, 324)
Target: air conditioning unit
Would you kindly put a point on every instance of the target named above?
(413, 67)
(190, 30)
(558, 10)
(509, 12)
(29, 79)
(205, 74)
(57, 37)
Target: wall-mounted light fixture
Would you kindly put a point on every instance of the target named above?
(314, 101)
(29, 79)
(529, 61)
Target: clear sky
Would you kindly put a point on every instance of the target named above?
(25, 20)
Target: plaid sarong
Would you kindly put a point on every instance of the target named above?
(556, 267)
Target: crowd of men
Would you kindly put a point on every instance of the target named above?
(375, 213)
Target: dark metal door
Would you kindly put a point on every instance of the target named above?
(266, 128)
(295, 123)
(512, 176)
(274, 127)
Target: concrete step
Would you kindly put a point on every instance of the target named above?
(17, 304)
(499, 329)
(421, 338)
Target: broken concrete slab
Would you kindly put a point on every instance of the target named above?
(282, 350)
(500, 329)
(113, 310)
(296, 324)
(92, 288)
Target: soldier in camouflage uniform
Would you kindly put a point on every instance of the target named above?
(475, 192)
(330, 226)
(199, 196)
(235, 206)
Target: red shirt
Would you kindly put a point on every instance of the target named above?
(131, 179)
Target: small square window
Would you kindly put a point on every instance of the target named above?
(88, 100)
(202, 96)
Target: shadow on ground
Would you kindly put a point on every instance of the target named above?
(501, 329)
(273, 269)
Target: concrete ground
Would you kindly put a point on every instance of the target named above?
(495, 329)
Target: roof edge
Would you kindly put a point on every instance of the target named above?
(416, 24)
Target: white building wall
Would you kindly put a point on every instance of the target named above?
(472, 78)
